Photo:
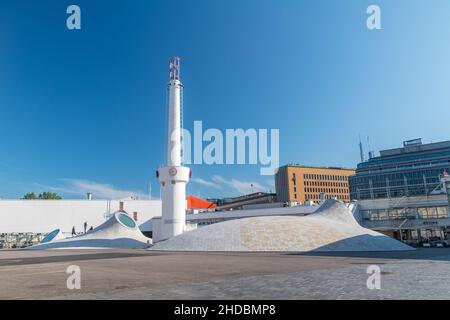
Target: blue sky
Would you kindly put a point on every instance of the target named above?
(84, 110)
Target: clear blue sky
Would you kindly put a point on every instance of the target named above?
(84, 110)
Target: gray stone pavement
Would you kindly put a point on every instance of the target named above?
(128, 274)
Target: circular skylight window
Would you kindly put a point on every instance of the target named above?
(50, 236)
(126, 220)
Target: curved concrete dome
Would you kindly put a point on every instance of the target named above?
(119, 231)
(331, 228)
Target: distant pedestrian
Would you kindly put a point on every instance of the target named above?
(73, 231)
(85, 226)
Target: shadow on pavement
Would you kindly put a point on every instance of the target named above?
(438, 254)
(68, 258)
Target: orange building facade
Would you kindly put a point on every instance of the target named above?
(297, 183)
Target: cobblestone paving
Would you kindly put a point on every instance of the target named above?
(405, 279)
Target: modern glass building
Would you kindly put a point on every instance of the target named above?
(413, 170)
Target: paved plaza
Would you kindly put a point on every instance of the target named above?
(140, 274)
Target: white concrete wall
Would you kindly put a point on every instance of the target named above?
(157, 229)
(41, 216)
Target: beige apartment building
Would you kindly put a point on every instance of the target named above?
(297, 183)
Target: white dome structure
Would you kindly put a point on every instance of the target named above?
(120, 231)
(331, 228)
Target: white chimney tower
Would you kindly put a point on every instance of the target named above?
(173, 177)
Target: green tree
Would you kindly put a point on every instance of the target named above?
(42, 196)
(30, 196)
(49, 196)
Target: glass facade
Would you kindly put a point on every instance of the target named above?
(409, 171)
(406, 213)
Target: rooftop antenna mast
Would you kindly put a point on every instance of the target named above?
(361, 151)
(150, 190)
